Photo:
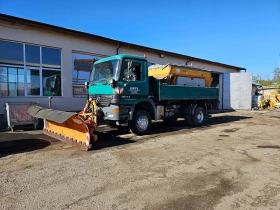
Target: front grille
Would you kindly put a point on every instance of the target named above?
(102, 100)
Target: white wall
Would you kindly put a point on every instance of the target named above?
(212, 67)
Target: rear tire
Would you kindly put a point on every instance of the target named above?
(141, 123)
(198, 118)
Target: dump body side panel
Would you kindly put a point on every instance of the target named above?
(175, 92)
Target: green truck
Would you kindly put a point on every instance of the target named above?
(125, 93)
(121, 92)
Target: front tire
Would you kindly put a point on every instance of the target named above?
(141, 123)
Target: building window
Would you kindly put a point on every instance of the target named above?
(82, 67)
(51, 74)
(51, 83)
(4, 81)
(33, 82)
(29, 70)
(11, 53)
(11, 81)
(51, 58)
(32, 55)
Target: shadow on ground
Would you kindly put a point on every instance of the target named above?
(14, 143)
(111, 138)
(21, 146)
(269, 146)
(114, 137)
(160, 127)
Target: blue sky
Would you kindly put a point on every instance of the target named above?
(243, 33)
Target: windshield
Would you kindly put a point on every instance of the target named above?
(105, 71)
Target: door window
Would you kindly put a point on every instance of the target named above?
(132, 71)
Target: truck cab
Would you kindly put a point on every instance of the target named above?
(117, 84)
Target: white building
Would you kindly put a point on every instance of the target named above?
(31, 51)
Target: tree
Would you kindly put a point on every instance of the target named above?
(276, 79)
(278, 89)
(264, 81)
(276, 76)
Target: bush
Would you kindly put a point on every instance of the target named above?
(278, 89)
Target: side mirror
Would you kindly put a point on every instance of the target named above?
(113, 83)
(86, 85)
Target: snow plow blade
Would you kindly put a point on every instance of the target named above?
(68, 127)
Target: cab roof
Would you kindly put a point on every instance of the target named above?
(122, 56)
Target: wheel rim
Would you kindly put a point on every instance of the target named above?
(142, 123)
(200, 117)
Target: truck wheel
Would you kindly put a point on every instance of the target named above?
(198, 117)
(141, 123)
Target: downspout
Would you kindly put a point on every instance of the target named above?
(223, 79)
(119, 46)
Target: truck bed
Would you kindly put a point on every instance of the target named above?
(175, 92)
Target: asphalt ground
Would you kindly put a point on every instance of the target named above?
(230, 163)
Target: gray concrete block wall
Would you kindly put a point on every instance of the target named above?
(237, 91)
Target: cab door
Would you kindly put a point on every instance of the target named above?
(135, 81)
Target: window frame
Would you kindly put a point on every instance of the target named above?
(26, 68)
